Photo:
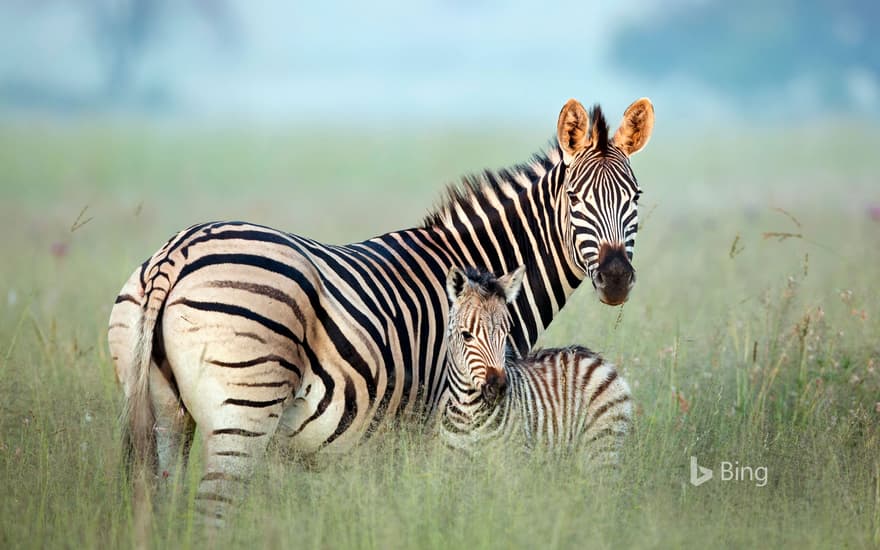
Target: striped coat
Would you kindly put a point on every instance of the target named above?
(249, 332)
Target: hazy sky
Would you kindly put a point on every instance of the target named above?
(448, 60)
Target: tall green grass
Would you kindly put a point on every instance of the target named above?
(739, 346)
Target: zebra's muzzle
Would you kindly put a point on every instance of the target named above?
(495, 386)
(614, 277)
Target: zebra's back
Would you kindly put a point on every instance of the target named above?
(571, 399)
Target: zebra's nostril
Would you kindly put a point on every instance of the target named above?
(600, 279)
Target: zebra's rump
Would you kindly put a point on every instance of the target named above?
(270, 313)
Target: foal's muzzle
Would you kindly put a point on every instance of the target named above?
(495, 386)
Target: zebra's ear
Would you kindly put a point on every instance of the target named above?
(512, 283)
(636, 127)
(571, 130)
(454, 283)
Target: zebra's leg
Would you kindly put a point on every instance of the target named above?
(174, 427)
(236, 417)
(603, 452)
(234, 377)
(604, 439)
(232, 450)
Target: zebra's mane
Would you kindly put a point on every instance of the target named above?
(507, 181)
(484, 282)
(599, 129)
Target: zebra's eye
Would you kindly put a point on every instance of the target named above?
(575, 200)
(466, 335)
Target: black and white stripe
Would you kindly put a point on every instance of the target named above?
(249, 332)
(565, 400)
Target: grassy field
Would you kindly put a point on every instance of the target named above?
(740, 346)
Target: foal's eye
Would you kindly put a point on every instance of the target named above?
(466, 335)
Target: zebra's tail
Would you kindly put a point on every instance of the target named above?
(139, 441)
(138, 426)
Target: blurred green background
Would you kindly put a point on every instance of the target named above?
(752, 334)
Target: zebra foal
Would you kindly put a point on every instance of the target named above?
(567, 399)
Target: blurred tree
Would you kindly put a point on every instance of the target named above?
(123, 30)
(752, 47)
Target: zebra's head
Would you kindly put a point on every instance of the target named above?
(479, 323)
(602, 192)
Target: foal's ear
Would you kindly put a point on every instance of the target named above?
(512, 283)
(454, 283)
(571, 129)
(636, 127)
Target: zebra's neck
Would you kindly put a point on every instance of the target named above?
(498, 221)
(468, 418)
(502, 224)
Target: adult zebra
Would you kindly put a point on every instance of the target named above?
(247, 331)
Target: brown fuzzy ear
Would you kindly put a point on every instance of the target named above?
(512, 282)
(455, 283)
(571, 130)
(636, 127)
